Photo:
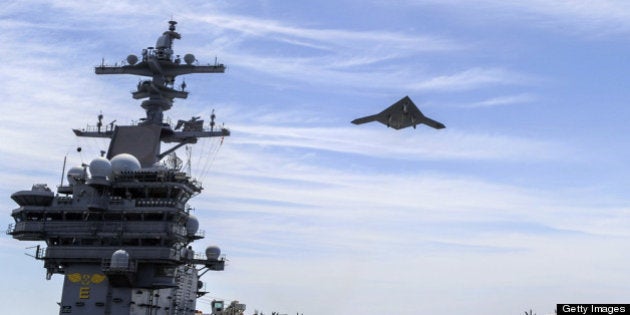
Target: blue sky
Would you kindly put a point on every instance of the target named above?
(519, 203)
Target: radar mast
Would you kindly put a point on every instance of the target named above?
(120, 232)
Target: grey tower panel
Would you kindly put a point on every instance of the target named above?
(143, 142)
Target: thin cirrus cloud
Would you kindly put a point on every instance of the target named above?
(357, 58)
(454, 145)
(329, 38)
(522, 98)
(586, 16)
(333, 70)
(353, 58)
(473, 78)
(589, 18)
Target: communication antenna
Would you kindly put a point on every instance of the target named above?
(63, 170)
(99, 124)
(212, 117)
(111, 125)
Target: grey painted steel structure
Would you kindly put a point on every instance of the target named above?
(120, 230)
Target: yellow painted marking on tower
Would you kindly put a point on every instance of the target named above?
(84, 293)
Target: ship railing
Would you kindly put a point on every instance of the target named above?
(202, 256)
(27, 227)
(160, 175)
(103, 129)
(145, 176)
(37, 229)
(156, 202)
(106, 266)
(90, 253)
(40, 252)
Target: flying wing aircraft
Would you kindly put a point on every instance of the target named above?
(402, 114)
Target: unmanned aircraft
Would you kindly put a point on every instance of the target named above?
(402, 114)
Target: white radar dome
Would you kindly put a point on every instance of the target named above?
(125, 162)
(192, 225)
(100, 167)
(120, 259)
(76, 174)
(213, 252)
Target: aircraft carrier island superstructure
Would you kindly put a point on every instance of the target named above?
(119, 231)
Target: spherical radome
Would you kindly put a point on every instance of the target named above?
(125, 162)
(100, 167)
(120, 259)
(192, 225)
(213, 252)
(75, 174)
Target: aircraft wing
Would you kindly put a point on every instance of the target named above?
(365, 119)
(432, 123)
(420, 118)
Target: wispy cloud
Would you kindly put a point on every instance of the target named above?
(334, 71)
(473, 78)
(591, 18)
(351, 58)
(378, 143)
(330, 39)
(503, 101)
